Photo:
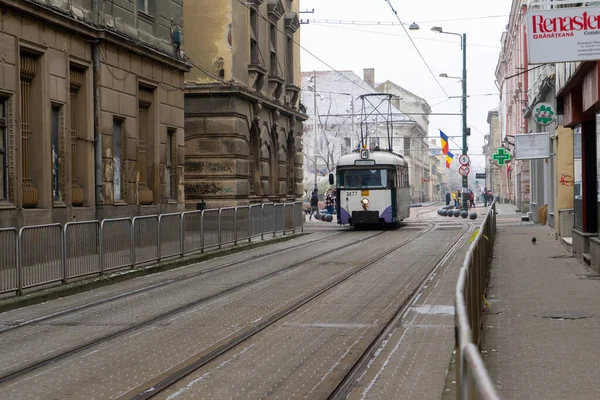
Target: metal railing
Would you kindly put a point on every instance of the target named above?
(472, 378)
(46, 254)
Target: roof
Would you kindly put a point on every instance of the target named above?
(380, 157)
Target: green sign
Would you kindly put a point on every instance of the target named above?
(543, 114)
(501, 156)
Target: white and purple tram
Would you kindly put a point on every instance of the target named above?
(372, 189)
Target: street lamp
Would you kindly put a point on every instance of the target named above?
(445, 75)
(463, 44)
(414, 26)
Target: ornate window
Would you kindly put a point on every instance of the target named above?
(118, 154)
(145, 134)
(58, 154)
(76, 77)
(171, 164)
(28, 72)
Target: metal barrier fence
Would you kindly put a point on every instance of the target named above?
(472, 378)
(9, 260)
(38, 255)
(41, 256)
(82, 256)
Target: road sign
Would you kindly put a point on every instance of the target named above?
(463, 159)
(464, 170)
(501, 156)
(480, 175)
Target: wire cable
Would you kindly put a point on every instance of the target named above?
(417, 49)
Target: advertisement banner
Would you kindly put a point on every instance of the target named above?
(564, 34)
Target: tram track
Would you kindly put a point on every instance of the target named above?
(155, 387)
(159, 285)
(347, 384)
(11, 375)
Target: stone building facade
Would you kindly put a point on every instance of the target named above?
(91, 96)
(243, 120)
(495, 180)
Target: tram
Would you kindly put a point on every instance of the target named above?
(372, 189)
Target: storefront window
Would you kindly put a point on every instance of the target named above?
(578, 178)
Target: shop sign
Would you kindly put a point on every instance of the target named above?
(563, 34)
(543, 114)
(532, 146)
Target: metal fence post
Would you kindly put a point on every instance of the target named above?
(158, 247)
(102, 248)
(235, 232)
(219, 227)
(64, 252)
(262, 222)
(133, 243)
(182, 234)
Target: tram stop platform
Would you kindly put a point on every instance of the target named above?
(540, 335)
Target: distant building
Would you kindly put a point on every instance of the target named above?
(339, 126)
(495, 181)
(91, 110)
(243, 121)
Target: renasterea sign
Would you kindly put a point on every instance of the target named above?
(564, 34)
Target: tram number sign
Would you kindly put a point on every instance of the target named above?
(464, 159)
(464, 170)
(364, 154)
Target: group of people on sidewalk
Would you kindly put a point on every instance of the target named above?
(456, 198)
(314, 202)
(486, 196)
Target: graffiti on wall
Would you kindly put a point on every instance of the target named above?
(207, 167)
(197, 189)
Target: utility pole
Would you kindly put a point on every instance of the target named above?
(315, 127)
(353, 127)
(465, 180)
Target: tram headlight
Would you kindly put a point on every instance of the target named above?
(365, 203)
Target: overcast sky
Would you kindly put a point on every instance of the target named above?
(390, 52)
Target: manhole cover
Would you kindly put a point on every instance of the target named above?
(565, 315)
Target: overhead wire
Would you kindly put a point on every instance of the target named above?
(403, 36)
(391, 23)
(416, 48)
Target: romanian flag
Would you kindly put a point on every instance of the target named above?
(449, 158)
(444, 142)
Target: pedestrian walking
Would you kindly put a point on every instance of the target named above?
(448, 198)
(329, 201)
(485, 197)
(314, 203)
(458, 199)
(471, 199)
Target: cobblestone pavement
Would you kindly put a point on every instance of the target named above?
(540, 338)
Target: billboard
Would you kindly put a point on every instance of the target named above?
(532, 146)
(563, 34)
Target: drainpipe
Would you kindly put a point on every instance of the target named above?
(96, 106)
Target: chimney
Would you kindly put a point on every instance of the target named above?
(369, 76)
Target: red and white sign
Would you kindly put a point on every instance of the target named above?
(464, 170)
(464, 159)
(563, 34)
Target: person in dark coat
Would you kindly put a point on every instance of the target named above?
(448, 198)
(314, 203)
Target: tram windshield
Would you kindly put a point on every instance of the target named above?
(362, 178)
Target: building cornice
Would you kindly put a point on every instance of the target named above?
(61, 18)
(229, 88)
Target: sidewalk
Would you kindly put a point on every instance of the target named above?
(540, 337)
